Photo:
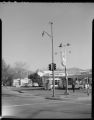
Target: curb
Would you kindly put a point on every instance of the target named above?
(59, 98)
(74, 97)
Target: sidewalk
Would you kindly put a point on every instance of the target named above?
(74, 96)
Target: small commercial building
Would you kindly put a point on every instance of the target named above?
(16, 82)
(22, 82)
(47, 79)
(59, 77)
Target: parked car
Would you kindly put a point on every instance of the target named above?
(35, 85)
(77, 86)
(81, 86)
(56, 86)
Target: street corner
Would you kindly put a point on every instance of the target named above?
(70, 95)
(61, 97)
(54, 97)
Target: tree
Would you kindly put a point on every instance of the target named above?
(9, 73)
(5, 72)
(35, 78)
(20, 70)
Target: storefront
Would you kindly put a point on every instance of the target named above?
(59, 78)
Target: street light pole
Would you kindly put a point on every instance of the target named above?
(51, 36)
(52, 61)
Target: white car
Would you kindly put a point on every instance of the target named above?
(81, 86)
(35, 84)
(56, 86)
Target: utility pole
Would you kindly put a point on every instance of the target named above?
(51, 36)
(66, 92)
(52, 61)
(63, 62)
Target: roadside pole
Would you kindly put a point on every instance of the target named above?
(52, 61)
(52, 69)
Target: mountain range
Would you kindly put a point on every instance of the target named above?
(76, 70)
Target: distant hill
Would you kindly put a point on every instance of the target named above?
(74, 70)
(78, 70)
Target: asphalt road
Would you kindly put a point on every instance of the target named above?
(33, 106)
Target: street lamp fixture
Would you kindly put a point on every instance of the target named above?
(68, 44)
(46, 33)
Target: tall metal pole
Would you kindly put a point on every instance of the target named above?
(64, 64)
(66, 92)
(51, 36)
(52, 61)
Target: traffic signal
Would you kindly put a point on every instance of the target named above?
(54, 66)
(49, 66)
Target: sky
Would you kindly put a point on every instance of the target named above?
(23, 24)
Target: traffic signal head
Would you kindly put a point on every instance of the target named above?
(54, 66)
(49, 66)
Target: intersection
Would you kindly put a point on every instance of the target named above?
(29, 105)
